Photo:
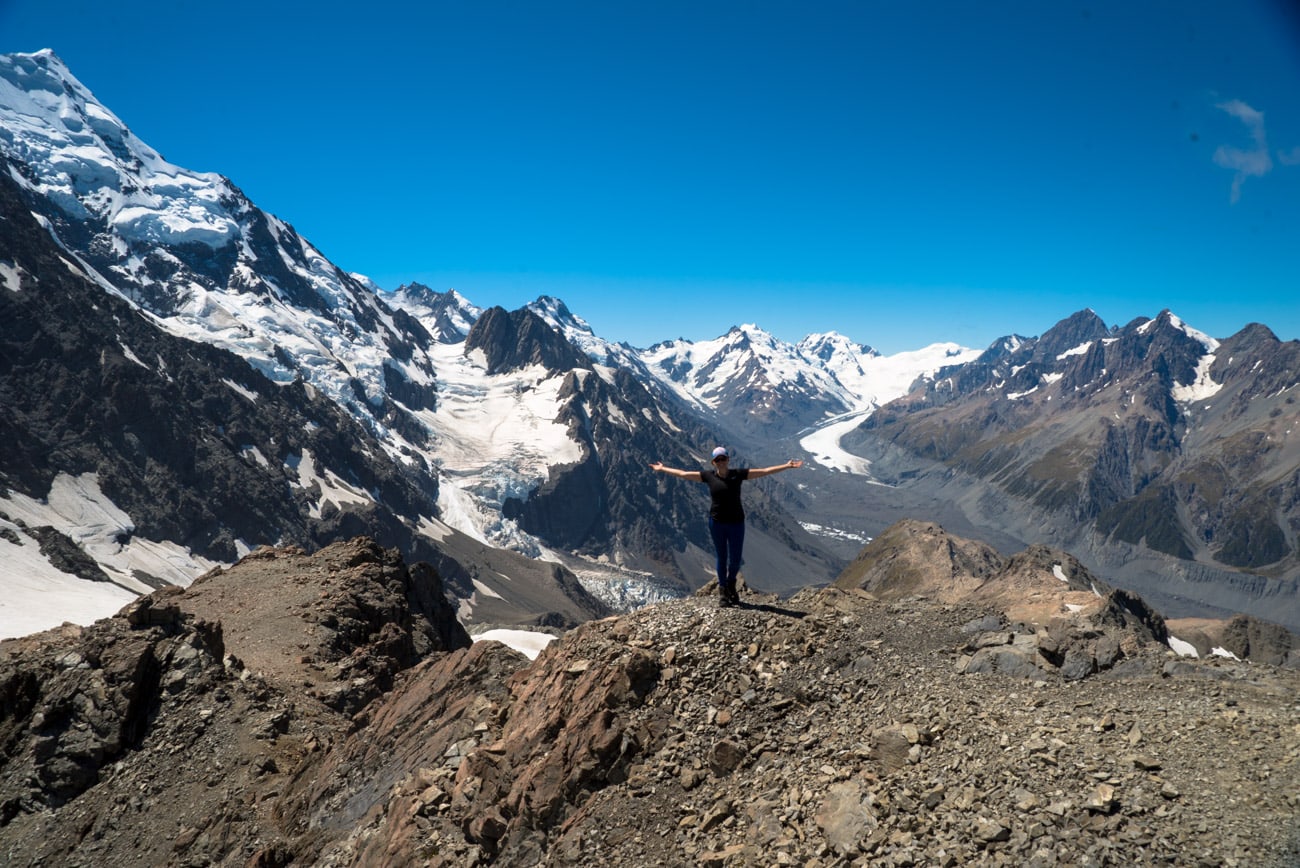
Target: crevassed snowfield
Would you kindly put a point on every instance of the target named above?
(497, 438)
(90, 163)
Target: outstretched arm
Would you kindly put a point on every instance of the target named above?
(756, 472)
(693, 475)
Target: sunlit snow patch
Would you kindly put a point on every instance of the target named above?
(833, 532)
(10, 277)
(1181, 648)
(1201, 387)
(527, 642)
(36, 596)
(332, 487)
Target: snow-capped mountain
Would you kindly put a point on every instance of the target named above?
(494, 418)
(764, 386)
(184, 256)
(759, 387)
(191, 250)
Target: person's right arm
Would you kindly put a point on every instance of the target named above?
(692, 475)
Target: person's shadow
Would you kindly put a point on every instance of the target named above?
(775, 610)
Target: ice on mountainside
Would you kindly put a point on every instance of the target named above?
(39, 596)
(496, 438)
(327, 327)
(1202, 386)
(89, 163)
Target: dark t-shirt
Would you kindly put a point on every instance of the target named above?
(725, 492)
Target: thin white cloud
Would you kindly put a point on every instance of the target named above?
(1289, 158)
(1252, 163)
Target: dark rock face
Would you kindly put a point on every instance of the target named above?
(1129, 611)
(515, 339)
(66, 556)
(84, 698)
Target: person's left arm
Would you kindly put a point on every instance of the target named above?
(756, 472)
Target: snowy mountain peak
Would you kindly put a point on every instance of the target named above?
(74, 151)
(146, 229)
(828, 345)
(576, 330)
(448, 316)
(557, 313)
(1171, 320)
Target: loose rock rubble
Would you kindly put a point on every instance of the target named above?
(827, 729)
(834, 729)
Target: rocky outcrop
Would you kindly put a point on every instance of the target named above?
(284, 634)
(77, 700)
(828, 728)
(920, 558)
(1056, 606)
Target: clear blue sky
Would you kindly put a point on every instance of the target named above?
(903, 172)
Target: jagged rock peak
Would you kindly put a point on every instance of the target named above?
(1070, 334)
(510, 340)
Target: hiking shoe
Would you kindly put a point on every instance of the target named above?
(727, 596)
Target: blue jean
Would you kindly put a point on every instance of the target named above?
(728, 539)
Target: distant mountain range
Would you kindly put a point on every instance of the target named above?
(186, 378)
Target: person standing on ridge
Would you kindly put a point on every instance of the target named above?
(726, 515)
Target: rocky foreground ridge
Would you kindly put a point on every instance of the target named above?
(329, 710)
